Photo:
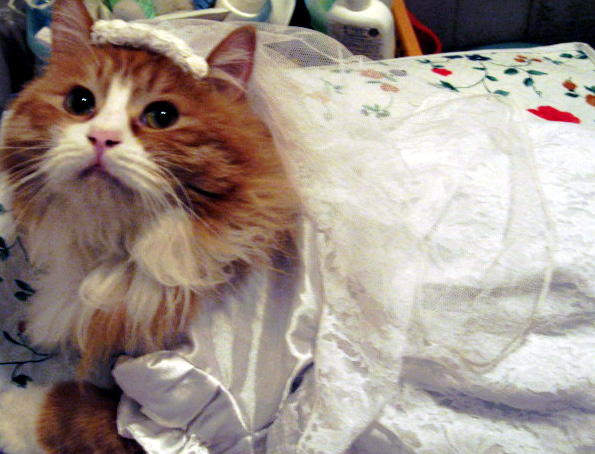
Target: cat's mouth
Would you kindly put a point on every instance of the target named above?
(97, 171)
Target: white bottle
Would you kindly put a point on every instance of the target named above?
(365, 27)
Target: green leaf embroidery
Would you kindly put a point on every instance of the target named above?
(21, 380)
(492, 78)
(571, 94)
(591, 89)
(502, 92)
(24, 286)
(555, 62)
(4, 250)
(534, 72)
(566, 55)
(377, 110)
(9, 338)
(22, 296)
(447, 85)
(529, 82)
(511, 71)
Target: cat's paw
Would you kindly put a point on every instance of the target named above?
(19, 413)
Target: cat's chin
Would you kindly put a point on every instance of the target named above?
(100, 181)
(100, 174)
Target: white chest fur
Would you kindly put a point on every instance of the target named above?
(92, 268)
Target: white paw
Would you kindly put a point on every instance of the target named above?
(19, 412)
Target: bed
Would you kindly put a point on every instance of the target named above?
(457, 309)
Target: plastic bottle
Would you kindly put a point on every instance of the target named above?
(318, 9)
(365, 27)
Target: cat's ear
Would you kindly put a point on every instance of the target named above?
(233, 58)
(71, 26)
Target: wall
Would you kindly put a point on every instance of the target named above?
(462, 24)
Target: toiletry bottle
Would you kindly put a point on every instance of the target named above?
(318, 9)
(365, 27)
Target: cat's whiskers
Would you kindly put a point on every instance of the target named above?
(21, 177)
(184, 203)
(145, 179)
(33, 202)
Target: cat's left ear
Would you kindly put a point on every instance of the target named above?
(233, 58)
(71, 26)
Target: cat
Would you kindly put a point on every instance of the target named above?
(138, 189)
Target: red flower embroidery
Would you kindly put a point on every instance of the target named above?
(552, 114)
(569, 85)
(442, 71)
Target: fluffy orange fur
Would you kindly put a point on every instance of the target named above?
(82, 424)
(220, 163)
(219, 158)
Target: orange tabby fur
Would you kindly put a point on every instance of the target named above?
(88, 410)
(218, 159)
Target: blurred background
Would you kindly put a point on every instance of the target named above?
(440, 25)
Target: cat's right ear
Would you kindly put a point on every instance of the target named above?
(232, 59)
(71, 26)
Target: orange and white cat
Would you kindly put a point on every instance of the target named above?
(138, 189)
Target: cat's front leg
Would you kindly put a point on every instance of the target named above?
(68, 418)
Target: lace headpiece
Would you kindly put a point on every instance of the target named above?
(120, 33)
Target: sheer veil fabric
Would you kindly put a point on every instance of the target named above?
(428, 249)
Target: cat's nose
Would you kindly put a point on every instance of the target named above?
(104, 139)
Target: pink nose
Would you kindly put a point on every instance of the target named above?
(104, 139)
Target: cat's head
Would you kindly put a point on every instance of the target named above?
(127, 130)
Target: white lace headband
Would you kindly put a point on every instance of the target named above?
(120, 33)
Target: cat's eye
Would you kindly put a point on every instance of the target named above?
(79, 101)
(160, 115)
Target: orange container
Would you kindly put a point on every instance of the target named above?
(407, 42)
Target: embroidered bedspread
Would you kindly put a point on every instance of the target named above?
(555, 83)
(485, 343)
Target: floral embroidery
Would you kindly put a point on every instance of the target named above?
(477, 57)
(376, 110)
(530, 77)
(572, 91)
(16, 377)
(398, 72)
(553, 114)
(442, 71)
(389, 87)
(490, 72)
(569, 85)
(372, 74)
